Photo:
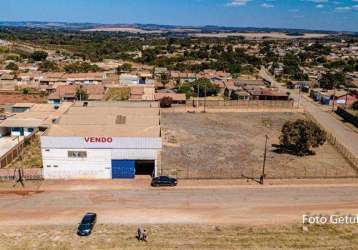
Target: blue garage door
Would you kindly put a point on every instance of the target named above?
(123, 169)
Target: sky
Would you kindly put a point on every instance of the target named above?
(338, 15)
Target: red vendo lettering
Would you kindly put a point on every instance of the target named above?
(98, 139)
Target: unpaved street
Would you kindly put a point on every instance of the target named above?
(221, 205)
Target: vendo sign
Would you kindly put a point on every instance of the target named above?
(98, 139)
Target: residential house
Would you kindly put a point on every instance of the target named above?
(38, 117)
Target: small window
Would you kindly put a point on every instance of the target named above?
(77, 154)
(48, 166)
(55, 166)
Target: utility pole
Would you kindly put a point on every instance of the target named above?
(264, 163)
(197, 96)
(334, 99)
(205, 99)
(345, 104)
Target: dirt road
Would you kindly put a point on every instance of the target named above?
(206, 205)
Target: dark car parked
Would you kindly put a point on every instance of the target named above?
(162, 181)
(87, 224)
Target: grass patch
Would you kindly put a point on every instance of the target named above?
(182, 237)
(30, 157)
(117, 94)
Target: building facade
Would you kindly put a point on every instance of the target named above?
(102, 141)
(99, 157)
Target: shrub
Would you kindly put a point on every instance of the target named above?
(39, 55)
(12, 66)
(166, 102)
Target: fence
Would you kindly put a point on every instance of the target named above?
(239, 104)
(28, 174)
(233, 106)
(14, 152)
(286, 173)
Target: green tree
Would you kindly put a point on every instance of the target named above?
(48, 66)
(126, 67)
(205, 86)
(81, 94)
(300, 136)
(39, 55)
(81, 67)
(164, 79)
(26, 91)
(12, 66)
(185, 88)
(330, 81)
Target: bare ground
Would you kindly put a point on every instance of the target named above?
(181, 237)
(229, 145)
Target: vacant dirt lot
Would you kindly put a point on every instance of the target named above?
(10, 98)
(229, 145)
(181, 237)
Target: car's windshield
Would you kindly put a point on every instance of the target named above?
(86, 220)
(84, 226)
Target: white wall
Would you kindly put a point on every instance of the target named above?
(97, 164)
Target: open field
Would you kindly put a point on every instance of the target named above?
(181, 237)
(197, 33)
(260, 35)
(124, 29)
(229, 145)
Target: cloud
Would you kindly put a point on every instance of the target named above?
(319, 6)
(267, 5)
(238, 3)
(317, 1)
(343, 8)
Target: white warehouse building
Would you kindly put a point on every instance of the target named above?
(102, 142)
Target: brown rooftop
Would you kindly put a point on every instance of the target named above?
(114, 121)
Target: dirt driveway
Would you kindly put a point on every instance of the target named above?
(207, 205)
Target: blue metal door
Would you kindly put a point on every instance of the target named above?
(123, 169)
